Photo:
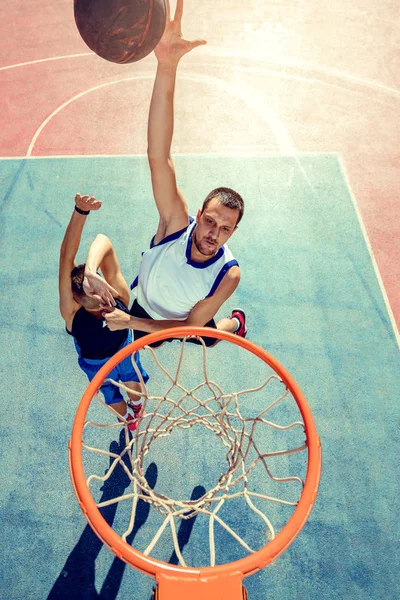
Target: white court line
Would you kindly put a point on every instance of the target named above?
(252, 98)
(255, 100)
(246, 155)
(371, 253)
(242, 154)
(76, 97)
(43, 60)
(234, 53)
(304, 66)
(365, 89)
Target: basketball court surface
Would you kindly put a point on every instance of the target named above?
(294, 105)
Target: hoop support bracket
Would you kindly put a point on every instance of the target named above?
(224, 587)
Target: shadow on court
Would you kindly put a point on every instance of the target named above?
(77, 577)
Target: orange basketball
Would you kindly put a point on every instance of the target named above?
(121, 31)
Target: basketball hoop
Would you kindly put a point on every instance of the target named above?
(203, 404)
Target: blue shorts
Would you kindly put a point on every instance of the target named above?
(124, 372)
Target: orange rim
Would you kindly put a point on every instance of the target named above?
(248, 565)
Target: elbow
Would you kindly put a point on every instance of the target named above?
(100, 237)
(158, 159)
(195, 322)
(233, 277)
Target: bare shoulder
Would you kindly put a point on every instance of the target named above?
(170, 202)
(69, 316)
(233, 274)
(175, 224)
(229, 282)
(232, 277)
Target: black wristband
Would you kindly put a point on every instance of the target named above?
(81, 212)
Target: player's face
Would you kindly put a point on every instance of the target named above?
(215, 226)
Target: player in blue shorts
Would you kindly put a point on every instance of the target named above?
(83, 314)
(188, 272)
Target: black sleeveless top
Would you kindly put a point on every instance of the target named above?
(93, 337)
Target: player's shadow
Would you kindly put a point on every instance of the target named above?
(186, 526)
(77, 578)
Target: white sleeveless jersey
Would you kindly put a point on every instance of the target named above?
(169, 283)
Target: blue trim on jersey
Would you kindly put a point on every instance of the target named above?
(205, 264)
(135, 282)
(221, 274)
(171, 236)
(168, 238)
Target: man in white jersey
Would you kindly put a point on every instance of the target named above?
(188, 272)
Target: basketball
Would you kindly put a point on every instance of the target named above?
(120, 31)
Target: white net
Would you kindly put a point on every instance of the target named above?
(254, 438)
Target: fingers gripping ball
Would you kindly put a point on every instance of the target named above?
(121, 31)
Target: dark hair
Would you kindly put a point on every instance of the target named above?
(77, 275)
(228, 198)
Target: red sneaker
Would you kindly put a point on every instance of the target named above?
(137, 409)
(239, 314)
(132, 423)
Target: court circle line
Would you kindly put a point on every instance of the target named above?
(233, 53)
(43, 60)
(252, 98)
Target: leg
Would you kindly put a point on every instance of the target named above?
(129, 377)
(114, 400)
(236, 323)
(227, 324)
(119, 407)
(135, 387)
(112, 395)
(135, 400)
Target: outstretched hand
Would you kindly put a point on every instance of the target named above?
(87, 202)
(96, 287)
(93, 284)
(172, 45)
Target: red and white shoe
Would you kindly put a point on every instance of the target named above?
(132, 423)
(239, 314)
(137, 409)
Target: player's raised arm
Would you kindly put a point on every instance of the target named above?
(170, 203)
(102, 255)
(69, 250)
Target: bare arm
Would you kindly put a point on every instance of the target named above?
(102, 255)
(201, 313)
(171, 205)
(170, 202)
(68, 252)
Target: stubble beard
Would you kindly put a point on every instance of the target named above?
(206, 251)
